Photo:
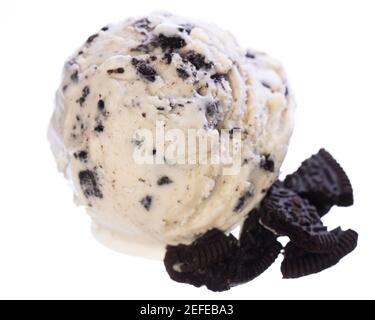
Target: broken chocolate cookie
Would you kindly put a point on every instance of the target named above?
(89, 184)
(259, 249)
(205, 262)
(287, 214)
(144, 69)
(322, 181)
(298, 262)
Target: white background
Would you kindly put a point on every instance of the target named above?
(46, 248)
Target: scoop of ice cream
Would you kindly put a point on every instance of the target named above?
(185, 75)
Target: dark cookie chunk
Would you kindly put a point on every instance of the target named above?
(253, 235)
(243, 200)
(104, 29)
(143, 24)
(99, 128)
(170, 43)
(164, 180)
(144, 69)
(249, 268)
(213, 113)
(207, 261)
(74, 76)
(298, 262)
(212, 109)
(185, 28)
(217, 261)
(146, 202)
(250, 55)
(81, 155)
(284, 212)
(82, 98)
(197, 60)
(232, 131)
(259, 249)
(221, 262)
(267, 163)
(89, 184)
(213, 247)
(286, 93)
(266, 85)
(101, 105)
(218, 77)
(173, 260)
(222, 276)
(118, 70)
(322, 181)
(92, 38)
(168, 57)
(182, 73)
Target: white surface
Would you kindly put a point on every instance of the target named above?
(46, 248)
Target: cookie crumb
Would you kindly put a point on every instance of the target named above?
(164, 180)
(92, 38)
(144, 69)
(146, 202)
(267, 163)
(182, 73)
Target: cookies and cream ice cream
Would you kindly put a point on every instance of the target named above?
(183, 74)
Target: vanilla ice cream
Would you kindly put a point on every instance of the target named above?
(186, 75)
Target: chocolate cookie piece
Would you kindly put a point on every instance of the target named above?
(170, 43)
(118, 71)
(322, 181)
(173, 259)
(197, 60)
(286, 213)
(101, 105)
(146, 202)
(182, 73)
(164, 180)
(217, 277)
(144, 69)
(81, 155)
(186, 28)
(250, 266)
(259, 249)
(143, 23)
(89, 184)
(242, 201)
(85, 92)
(92, 38)
(253, 235)
(168, 57)
(206, 261)
(218, 77)
(99, 128)
(267, 163)
(213, 247)
(298, 262)
(74, 76)
(221, 276)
